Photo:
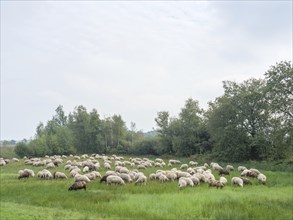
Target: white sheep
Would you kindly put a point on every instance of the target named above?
(182, 183)
(79, 177)
(126, 177)
(163, 178)
(223, 180)
(229, 168)
(59, 175)
(31, 172)
(237, 181)
(195, 180)
(188, 181)
(241, 168)
(142, 179)
(2, 163)
(115, 179)
(183, 166)
(50, 165)
(262, 178)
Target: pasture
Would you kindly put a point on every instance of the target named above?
(36, 198)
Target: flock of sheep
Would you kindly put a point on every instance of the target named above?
(84, 169)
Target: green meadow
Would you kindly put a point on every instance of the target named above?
(35, 198)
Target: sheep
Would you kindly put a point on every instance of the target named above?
(107, 166)
(183, 166)
(78, 185)
(246, 181)
(152, 176)
(86, 169)
(255, 170)
(91, 176)
(126, 177)
(50, 165)
(182, 183)
(237, 181)
(59, 175)
(223, 180)
(97, 174)
(2, 163)
(229, 168)
(223, 172)
(45, 174)
(195, 180)
(115, 179)
(23, 174)
(172, 176)
(31, 172)
(124, 170)
(104, 178)
(163, 178)
(15, 159)
(79, 177)
(262, 178)
(241, 168)
(188, 181)
(215, 183)
(192, 163)
(142, 179)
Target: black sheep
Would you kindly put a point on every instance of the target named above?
(78, 185)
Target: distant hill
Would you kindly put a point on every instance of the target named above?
(150, 134)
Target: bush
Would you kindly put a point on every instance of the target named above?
(21, 149)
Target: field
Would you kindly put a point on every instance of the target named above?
(35, 198)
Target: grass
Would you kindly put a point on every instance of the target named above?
(49, 199)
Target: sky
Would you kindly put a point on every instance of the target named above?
(131, 58)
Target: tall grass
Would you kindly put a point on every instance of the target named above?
(34, 198)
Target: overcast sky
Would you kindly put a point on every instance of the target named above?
(131, 58)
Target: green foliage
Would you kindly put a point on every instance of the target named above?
(146, 146)
(21, 149)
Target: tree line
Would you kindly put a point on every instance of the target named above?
(251, 120)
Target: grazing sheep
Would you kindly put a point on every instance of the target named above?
(45, 174)
(223, 172)
(241, 168)
(50, 165)
(2, 163)
(172, 176)
(78, 185)
(188, 181)
(255, 170)
(223, 180)
(262, 178)
(237, 181)
(86, 169)
(152, 176)
(163, 178)
(142, 179)
(104, 178)
(115, 179)
(215, 183)
(126, 177)
(15, 159)
(79, 177)
(23, 174)
(229, 168)
(107, 166)
(182, 183)
(246, 181)
(59, 175)
(183, 166)
(31, 172)
(195, 180)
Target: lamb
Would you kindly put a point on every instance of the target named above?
(237, 181)
(115, 179)
(262, 178)
(59, 175)
(78, 185)
(23, 174)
